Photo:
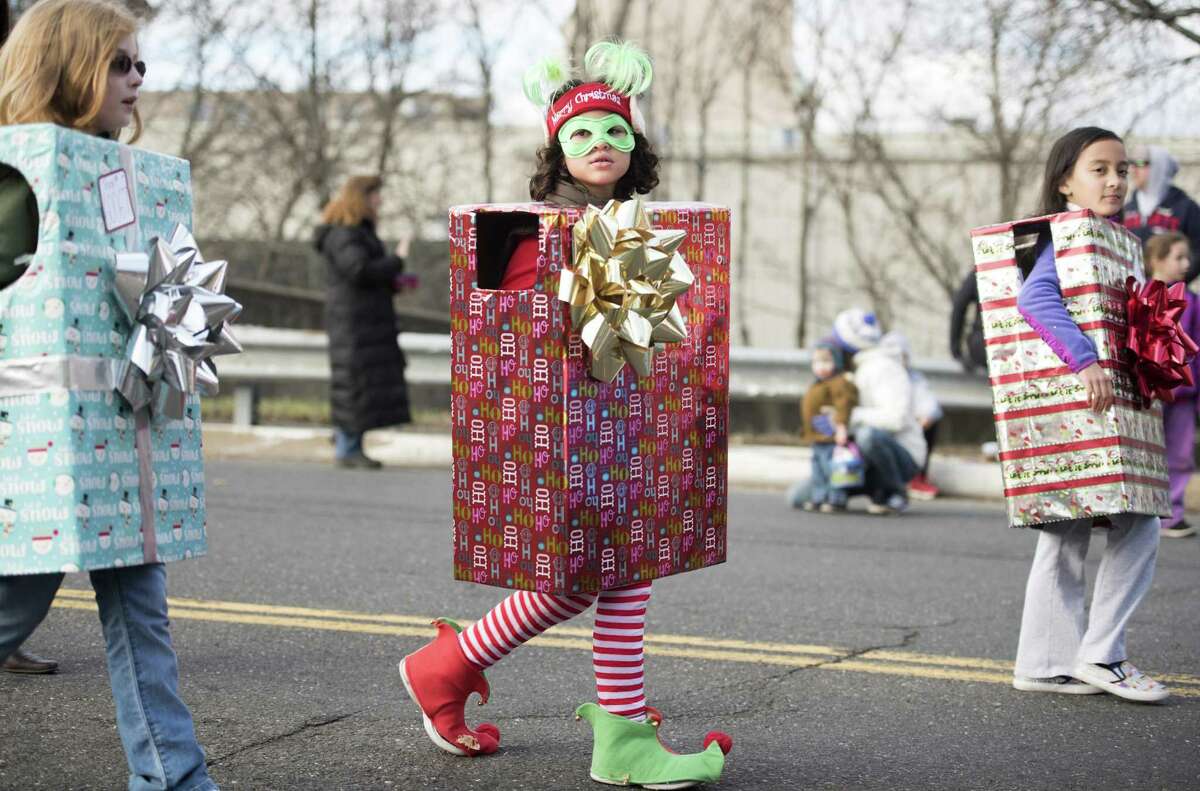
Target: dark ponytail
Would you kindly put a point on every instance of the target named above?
(1061, 162)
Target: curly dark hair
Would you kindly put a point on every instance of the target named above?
(641, 177)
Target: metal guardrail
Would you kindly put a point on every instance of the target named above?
(276, 355)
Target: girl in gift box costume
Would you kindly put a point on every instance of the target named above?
(1063, 648)
(75, 63)
(595, 151)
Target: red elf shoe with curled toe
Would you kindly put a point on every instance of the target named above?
(439, 679)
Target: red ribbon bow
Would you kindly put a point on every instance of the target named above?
(1160, 351)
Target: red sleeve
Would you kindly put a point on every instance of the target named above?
(521, 273)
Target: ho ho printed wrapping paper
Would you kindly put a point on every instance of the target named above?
(561, 482)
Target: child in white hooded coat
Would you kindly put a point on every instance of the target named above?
(926, 410)
(884, 425)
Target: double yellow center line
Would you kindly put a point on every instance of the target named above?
(880, 661)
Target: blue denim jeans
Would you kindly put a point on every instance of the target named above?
(889, 467)
(346, 444)
(154, 723)
(822, 470)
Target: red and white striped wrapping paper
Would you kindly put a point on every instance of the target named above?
(1060, 460)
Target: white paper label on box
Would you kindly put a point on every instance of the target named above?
(115, 201)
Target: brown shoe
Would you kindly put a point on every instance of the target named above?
(359, 461)
(24, 662)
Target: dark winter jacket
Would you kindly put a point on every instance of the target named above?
(967, 299)
(367, 388)
(1162, 207)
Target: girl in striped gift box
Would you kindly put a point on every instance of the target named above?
(1062, 647)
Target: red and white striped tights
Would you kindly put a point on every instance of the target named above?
(616, 638)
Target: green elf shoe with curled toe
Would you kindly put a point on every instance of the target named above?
(628, 753)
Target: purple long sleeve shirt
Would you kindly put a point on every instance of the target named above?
(1190, 322)
(1041, 303)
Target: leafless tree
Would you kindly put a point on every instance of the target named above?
(142, 8)
(1182, 18)
(208, 111)
(802, 79)
(488, 25)
(757, 19)
(663, 114)
(592, 21)
(318, 106)
(709, 66)
(1038, 69)
(483, 50)
(388, 58)
(294, 120)
(1035, 54)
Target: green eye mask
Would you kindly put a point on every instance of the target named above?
(580, 135)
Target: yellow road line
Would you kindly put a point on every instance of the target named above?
(424, 621)
(884, 662)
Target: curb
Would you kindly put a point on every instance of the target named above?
(775, 467)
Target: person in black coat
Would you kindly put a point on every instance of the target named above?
(1158, 206)
(367, 388)
(966, 300)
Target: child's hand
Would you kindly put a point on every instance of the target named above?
(1099, 387)
(841, 436)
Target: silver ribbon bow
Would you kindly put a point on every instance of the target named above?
(176, 302)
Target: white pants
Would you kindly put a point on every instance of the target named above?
(1056, 632)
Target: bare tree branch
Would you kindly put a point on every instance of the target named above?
(1147, 11)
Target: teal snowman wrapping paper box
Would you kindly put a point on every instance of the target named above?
(105, 342)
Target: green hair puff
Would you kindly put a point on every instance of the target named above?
(543, 78)
(620, 65)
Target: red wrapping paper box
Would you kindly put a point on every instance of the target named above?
(563, 483)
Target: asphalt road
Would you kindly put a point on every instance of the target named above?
(874, 653)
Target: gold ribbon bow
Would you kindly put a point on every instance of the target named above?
(622, 287)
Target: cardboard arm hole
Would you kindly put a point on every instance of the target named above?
(497, 234)
(26, 212)
(1026, 238)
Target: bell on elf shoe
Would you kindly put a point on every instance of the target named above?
(439, 679)
(626, 752)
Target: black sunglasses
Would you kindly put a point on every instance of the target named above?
(121, 64)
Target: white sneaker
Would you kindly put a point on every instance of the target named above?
(1180, 530)
(1061, 685)
(1123, 680)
